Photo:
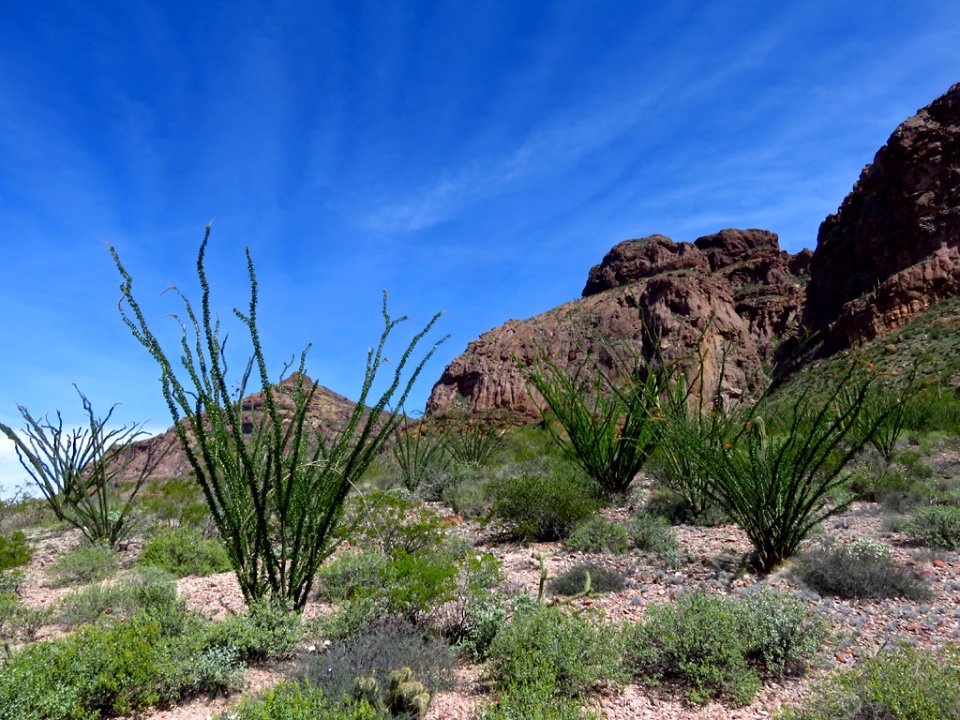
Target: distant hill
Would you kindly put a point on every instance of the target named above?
(891, 252)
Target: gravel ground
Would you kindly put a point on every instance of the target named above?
(861, 627)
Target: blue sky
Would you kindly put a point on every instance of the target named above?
(470, 157)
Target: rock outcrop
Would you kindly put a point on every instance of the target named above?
(893, 247)
(328, 414)
(734, 292)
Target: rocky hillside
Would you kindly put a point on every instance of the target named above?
(889, 253)
(893, 247)
(733, 289)
(329, 412)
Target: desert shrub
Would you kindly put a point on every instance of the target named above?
(778, 483)
(267, 631)
(862, 569)
(184, 551)
(719, 647)
(936, 526)
(105, 669)
(175, 500)
(537, 701)
(151, 591)
(14, 551)
(539, 506)
(904, 684)
(470, 438)
(19, 622)
(609, 419)
(477, 611)
(276, 492)
(587, 578)
(11, 580)
(418, 451)
(84, 564)
(79, 471)
(388, 521)
(654, 534)
(598, 535)
(301, 701)
(547, 646)
(375, 652)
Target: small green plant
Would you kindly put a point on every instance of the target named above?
(596, 535)
(586, 578)
(275, 487)
(862, 569)
(79, 472)
(903, 684)
(176, 501)
(719, 647)
(267, 631)
(936, 526)
(533, 701)
(84, 564)
(610, 421)
(545, 645)
(470, 438)
(653, 533)
(302, 701)
(541, 506)
(150, 591)
(184, 551)
(14, 551)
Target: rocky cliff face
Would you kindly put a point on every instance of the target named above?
(893, 247)
(328, 414)
(735, 289)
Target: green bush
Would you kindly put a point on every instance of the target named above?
(936, 526)
(653, 533)
(862, 569)
(541, 507)
(587, 578)
(105, 670)
(184, 551)
(14, 551)
(153, 592)
(719, 647)
(546, 646)
(267, 631)
(175, 500)
(84, 564)
(301, 701)
(533, 702)
(598, 535)
(906, 684)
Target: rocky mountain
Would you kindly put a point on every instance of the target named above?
(734, 290)
(893, 247)
(890, 252)
(328, 414)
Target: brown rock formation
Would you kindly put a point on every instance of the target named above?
(328, 414)
(730, 290)
(893, 247)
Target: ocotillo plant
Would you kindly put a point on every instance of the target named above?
(610, 426)
(276, 493)
(78, 471)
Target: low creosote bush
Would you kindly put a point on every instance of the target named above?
(533, 702)
(544, 646)
(14, 551)
(862, 569)
(721, 646)
(268, 631)
(151, 590)
(598, 535)
(302, 701)
(905, 684)
(184, 551)
(653, 533)
(541, 507)
(575, 580)
(84, 564)
(936, 526)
